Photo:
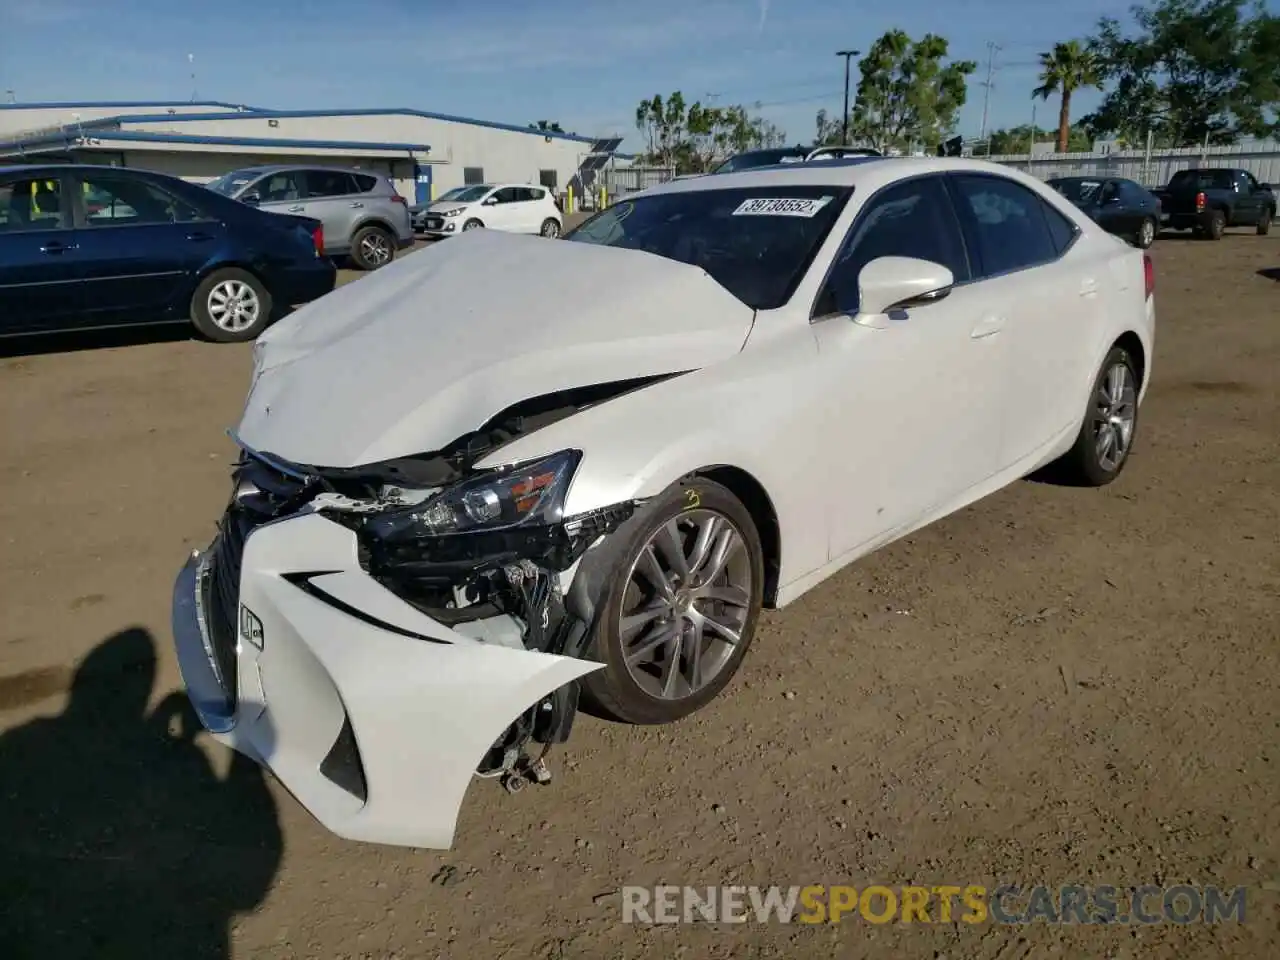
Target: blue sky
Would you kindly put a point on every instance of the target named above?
(585, 64)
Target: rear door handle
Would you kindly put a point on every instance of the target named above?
(989, 327)
(297, 208)
(1089, 288)
(198, 237)
(57, 246)
(357, 204)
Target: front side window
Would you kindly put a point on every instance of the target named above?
(1008, 223)
(756, 243)
(508, 195)
(284, 187)
(910, 219)
(229, 184)
(31, 204)
(114, 201)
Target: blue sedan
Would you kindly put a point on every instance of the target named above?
(85, 247)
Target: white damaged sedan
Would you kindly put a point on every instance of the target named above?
(501, 474)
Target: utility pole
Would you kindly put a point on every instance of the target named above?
(847, 54)
(992, 49)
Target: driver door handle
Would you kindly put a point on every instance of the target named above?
(357, 204)
(988, 327)
(1089, 288)
(298, 208)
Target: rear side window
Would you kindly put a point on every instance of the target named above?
(1061, 229)
(329, 183)
(364, 182)
(1008, 222)
(31, 205)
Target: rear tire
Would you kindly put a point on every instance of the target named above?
(1264, 223)
(231, 306)
(647, 680)
(1216, 225)
(372, 247)
(550, 229)
(1146, 235)
(1113, 412)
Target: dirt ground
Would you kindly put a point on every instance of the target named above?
(1055, 686)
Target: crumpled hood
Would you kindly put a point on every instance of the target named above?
(409, 358)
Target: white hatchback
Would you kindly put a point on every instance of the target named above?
(510, 207)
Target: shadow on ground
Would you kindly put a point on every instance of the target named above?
(116, 838)
(1270, 273)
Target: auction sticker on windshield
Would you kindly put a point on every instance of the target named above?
(781, 207)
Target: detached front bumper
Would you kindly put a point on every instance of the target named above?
(372, 714)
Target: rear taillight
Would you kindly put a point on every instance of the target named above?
(317, 238)
(396, 198)
(1199, 202)
(1149, 274)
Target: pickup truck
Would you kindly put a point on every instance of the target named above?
(1210, 199)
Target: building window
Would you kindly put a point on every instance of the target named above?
(547, 178)
(472, 175)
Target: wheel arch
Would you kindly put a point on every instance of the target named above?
(1131, 343)
(372, 222)
(760, 506)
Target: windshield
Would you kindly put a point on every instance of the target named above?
(756, 242)
(229, 183)
(1082, 192)
(761, 158)
(468, 194)
(452, 194)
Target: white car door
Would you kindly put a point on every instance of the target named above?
(1052, 302)
(502, 210)
(914, 411)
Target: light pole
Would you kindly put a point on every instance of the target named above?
(847, 54)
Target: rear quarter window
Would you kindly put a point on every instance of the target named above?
(365, 183)
(1061, 229)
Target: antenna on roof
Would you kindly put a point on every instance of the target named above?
(10, 96)
(191, 61)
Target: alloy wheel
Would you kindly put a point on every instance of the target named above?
(234, 306)
(688, 597)
(1115, 411)
(375, 249)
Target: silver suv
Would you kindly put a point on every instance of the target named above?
(364, 217)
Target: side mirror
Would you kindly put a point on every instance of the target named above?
(895, 283)
(252, 199)
(490, 201)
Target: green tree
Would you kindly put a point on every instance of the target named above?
(1068, 67)
(694, 139)
(1018, 140)
(908, 94)
(546, 126)
(1190, 71)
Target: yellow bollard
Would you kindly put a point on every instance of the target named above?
(604, 198)
(569, 202)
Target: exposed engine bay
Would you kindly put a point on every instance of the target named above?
(487, 553)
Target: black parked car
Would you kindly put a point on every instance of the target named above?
(1117, 205)
(94, 246)
(1209, 200)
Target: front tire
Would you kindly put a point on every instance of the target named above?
(372, 247)
(679, 608)
(231, 306)
(472, 225)
(1106, 437)
(1264, 223)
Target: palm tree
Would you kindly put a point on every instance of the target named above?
(1066, 68)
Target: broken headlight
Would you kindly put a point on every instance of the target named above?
(511, 496)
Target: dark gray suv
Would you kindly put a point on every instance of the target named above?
(364, 217)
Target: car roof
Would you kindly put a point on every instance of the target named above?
(265, 168)
(859, 172)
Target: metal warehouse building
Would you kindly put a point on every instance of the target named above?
(424, 153)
